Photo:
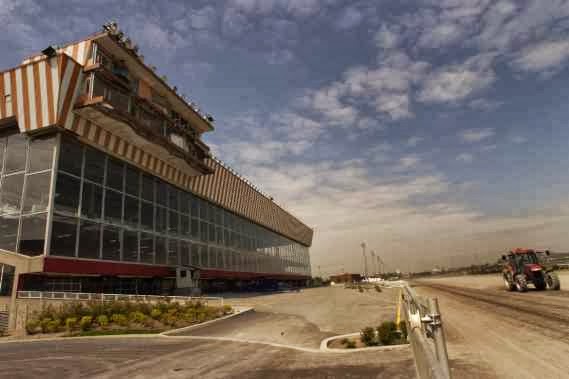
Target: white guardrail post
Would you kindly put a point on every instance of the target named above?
(426, 335)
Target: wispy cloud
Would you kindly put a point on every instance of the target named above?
(465, 158)
(476, 135)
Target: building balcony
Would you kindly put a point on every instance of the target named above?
(110, 101)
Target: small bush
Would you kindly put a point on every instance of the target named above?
(377, 288)
(45, 325)
(119, 319)
(137, 317)
(70, 323)
(156, 313)
(386, 332)
(32, 326)
(53, 326)
(85, 323)
(403, 329)
(344, 341)
(367, 336)
(103, 321)
(360, 288)
(227, 309)
(351, 345)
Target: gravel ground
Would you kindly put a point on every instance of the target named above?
(500, 334)
(332, 309)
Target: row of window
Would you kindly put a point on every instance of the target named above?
(73, 237)
(106, 209)
(100, 188)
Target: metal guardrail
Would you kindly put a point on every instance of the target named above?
(426, 335)
(87, 296)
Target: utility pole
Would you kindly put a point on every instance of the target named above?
(363, 245)
(373, 271)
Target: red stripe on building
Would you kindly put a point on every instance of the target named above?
(89, 267)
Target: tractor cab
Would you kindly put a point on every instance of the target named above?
(523, 266)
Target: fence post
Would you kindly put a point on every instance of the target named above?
(439, 335)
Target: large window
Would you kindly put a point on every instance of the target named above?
(108, 209)
(32, 235)
(63, 236)
(25, 179)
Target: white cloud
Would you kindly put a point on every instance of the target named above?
(476, 135)
(453, 83)
(414, 141)
(408, 162)
(349, 18)
(442, 35)
(484, 104)
(519, 139)
(387, 38)
(543, 56)
(396, 105)
(465, 157)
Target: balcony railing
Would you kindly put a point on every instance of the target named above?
(114, 91)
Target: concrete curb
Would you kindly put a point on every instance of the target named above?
(324, 345)
(239, 311)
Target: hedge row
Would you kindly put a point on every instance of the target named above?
(77, 316)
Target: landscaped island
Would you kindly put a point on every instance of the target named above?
(121, 317)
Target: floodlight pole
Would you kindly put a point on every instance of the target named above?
(373, 271)
(363, 245)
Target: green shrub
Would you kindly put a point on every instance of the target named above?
(119, 319)
(367, 336)
(156, 313)
(103, 321)
(344, 341)
(52, 326)
(360, 288)
(137, 316)
(70, 323)
(403, 329)
(386, 332)
(377, 288)
(85, 323)
(227, 309)
(44, 322)
(32, 326)
(351, 345)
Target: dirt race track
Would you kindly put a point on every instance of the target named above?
(504, 334)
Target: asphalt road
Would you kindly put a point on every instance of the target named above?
(167, 357)
(298, 320)
(500, 334)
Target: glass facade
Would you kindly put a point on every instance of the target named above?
(107, 209)
(25, 177)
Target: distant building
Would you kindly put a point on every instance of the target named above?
(107, 186)
(346, 278)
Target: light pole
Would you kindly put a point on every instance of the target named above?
(363, 245)
(372, 253)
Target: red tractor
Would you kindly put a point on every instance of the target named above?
(523, 266)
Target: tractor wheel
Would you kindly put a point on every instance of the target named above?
(510, 286)
(553, 281)
(521, 283)
(540, 284)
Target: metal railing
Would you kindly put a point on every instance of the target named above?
(87, 296)
(426, 335)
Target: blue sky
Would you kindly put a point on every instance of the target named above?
(432, 129)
